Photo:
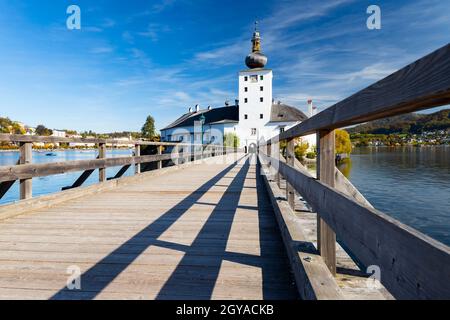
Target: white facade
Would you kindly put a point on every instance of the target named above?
(255, 105)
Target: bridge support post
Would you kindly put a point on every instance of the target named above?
(160, 151)
(290, 160)
(137, 153)
(102, 155)
(26, 155)
(326, 238)
(276, 155)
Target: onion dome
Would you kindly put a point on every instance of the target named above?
(256, 59)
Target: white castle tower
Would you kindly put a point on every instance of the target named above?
(255, 96)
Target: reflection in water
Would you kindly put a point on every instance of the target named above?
(345, 166)
(411, 184)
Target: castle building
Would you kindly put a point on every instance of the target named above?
(254, 117)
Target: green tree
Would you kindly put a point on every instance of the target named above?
(300, 150)
(5, 125)
(148, 129)
(41, 130)
(16, 128)
(343, 142)
(231, 140)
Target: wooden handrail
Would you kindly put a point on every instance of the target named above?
(421, 85)
(413, 265)
(50, 139)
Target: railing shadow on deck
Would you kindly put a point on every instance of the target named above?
(180, 283)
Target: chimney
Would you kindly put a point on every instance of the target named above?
(190, 109)
(236, 102)
(197, 108)
(209, 107)
(314, 110)
(310, 108)
(227, 103)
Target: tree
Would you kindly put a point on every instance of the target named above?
(41, 130)
(231, 140)
(16, 128)
(343, 142)
(300, 150)
(148, 130)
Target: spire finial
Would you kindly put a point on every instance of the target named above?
(256, 25)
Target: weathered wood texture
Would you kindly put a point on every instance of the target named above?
(290, 159)
(313, 278)
(102, 155)
(214, 235)
(412, 264)
(137, 153)
(326, 238)
(27, 138)
(26, 184)
(8, 173)
(421, 85)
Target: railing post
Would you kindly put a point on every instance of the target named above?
(137, 153)
(276, 155)
(160, 149)
(177, 152)
(326, 238)
(26, 156)
(290, 160)
(102, 155)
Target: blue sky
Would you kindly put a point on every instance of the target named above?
(134, 58)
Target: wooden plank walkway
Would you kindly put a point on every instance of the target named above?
(204, 232)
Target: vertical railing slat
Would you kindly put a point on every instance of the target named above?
(26, 155)
(326, 238)
(102, 155)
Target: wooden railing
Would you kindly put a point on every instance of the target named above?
(25, 170)
(412, 264)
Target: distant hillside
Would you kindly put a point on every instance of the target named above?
(409, 123)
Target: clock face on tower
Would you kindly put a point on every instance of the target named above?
(254, 78)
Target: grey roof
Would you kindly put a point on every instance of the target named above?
(282, 113)
(215, 115)
(230, 114)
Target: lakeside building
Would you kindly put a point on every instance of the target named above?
(254, 117)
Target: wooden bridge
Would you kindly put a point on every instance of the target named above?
(213, 223)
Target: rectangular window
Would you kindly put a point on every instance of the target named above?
(245, 116)
(245, 100)
(246, 89)
(281, 129)
(261, 88)
(261, 78)
(253, 131)
(261, 99)
(261, 116)
(245, 78)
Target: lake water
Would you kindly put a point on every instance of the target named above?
(410, 184)
(50, 184)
